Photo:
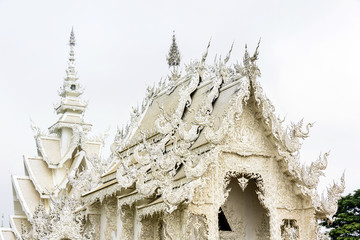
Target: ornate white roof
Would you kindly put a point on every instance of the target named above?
(181, 127)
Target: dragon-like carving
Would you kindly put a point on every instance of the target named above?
(291, 137)
(329, 201)
(309, 175)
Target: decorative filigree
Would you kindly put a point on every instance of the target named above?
(83, 180)
(329, 201)
(61, 221)
(197, 227)
(289, 230)
(243, 182)
(162, 166)
(309, 175)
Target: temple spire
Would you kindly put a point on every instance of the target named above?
(71, 90)
(173, 57)
(72, 38)
(70, 71)
(71, 107)
(71, 87)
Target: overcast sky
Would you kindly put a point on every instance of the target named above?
(309, 58)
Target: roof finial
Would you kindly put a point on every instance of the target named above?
(256, 53)
(204, 56)
(2, 220)
(173, 57)
(70, 71)
(72, 37)
(229, 54)
(71, 87)
(246, 59)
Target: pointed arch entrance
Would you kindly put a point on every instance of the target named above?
(242, 215)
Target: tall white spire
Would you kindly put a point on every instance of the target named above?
(70, 71)
(71, 87)
(71, 106)
(71, 90)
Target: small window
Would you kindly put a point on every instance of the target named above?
(73, 87)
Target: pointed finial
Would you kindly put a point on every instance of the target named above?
(173, 57)
(246, 59)
(72, 37)
(204, 56)
(70, 86)
(2, 220)
(70, 71)
(229, 54)
(256, 53)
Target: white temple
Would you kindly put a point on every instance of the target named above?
(204, 157)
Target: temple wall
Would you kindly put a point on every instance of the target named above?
(258, 212)
(278, 199)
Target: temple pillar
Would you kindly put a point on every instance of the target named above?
(94, 220)
(275, 225)
(126, 222)
(108, 219)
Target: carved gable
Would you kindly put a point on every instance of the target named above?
(248, 135)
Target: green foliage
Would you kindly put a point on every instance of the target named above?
(347, 218)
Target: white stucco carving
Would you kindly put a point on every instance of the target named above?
(61, 221)
(204, 157)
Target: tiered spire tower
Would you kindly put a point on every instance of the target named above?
(71, 90)
(71, 107)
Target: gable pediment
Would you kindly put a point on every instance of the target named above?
(248, 134)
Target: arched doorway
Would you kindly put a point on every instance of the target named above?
(242, 216)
